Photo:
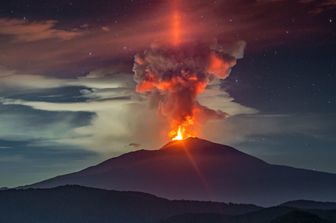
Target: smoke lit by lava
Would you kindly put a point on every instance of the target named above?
(174, 75)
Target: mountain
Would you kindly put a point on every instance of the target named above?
(198, 218)
(304, 204)
(77, 204)
(197, 169)
(299, 216)
(267, 215)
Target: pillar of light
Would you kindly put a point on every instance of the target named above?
(176, 28)
(176, 24)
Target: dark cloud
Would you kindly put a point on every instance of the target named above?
(61, 94)
(320, 6)
(43, 161)
(21, 30)
(287, 148)
(90, 43)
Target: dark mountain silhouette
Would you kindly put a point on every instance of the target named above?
(198, 218)
(77, 204)
(304, 204)
(298, 216)
(284, 214)
(197, 169)
(276, 214)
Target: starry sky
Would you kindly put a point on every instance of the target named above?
(67, 98)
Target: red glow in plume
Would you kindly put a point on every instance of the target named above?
(173, 77)
(176, 25)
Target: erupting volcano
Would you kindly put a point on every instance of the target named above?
(173, 75)
(197, 169)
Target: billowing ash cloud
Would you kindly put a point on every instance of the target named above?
(174, 76)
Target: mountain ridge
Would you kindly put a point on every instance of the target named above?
(78, 204)
(73, 203)
(196, 169)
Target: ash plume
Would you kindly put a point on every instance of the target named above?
(173, 77)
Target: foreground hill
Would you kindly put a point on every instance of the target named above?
(304, 204)
(77, 204)
(197, 169)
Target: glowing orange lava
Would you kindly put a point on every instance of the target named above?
(183, 130)
(179, 134)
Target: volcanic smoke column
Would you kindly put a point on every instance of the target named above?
(173, 77)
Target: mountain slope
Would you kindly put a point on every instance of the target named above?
(304, 204)
(76, 204)
(268, 215)
(299, 216)
(197, 169)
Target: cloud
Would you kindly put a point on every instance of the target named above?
(34, 162)
(88, 106)
(120, 115)
(315, 6)
(119, 122)
(320, 6)
(102, 91)
(11, 79)
(25, 31)
(218, 99)
(281, 138)
(96, 80)
(112, 118)
(108, 43)
(241, 129)
(23, 123)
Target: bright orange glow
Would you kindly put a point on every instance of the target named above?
(179, 134)
(183, 131)
(220, 67)
(175, 23)
(176, 28)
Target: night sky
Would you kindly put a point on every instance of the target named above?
(67, 96)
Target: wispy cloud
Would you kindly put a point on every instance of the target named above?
(46, 46)
(320, 6)
(120, 115)
(98, 79)
(21, 30)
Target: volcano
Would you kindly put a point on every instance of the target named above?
(196, 169)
